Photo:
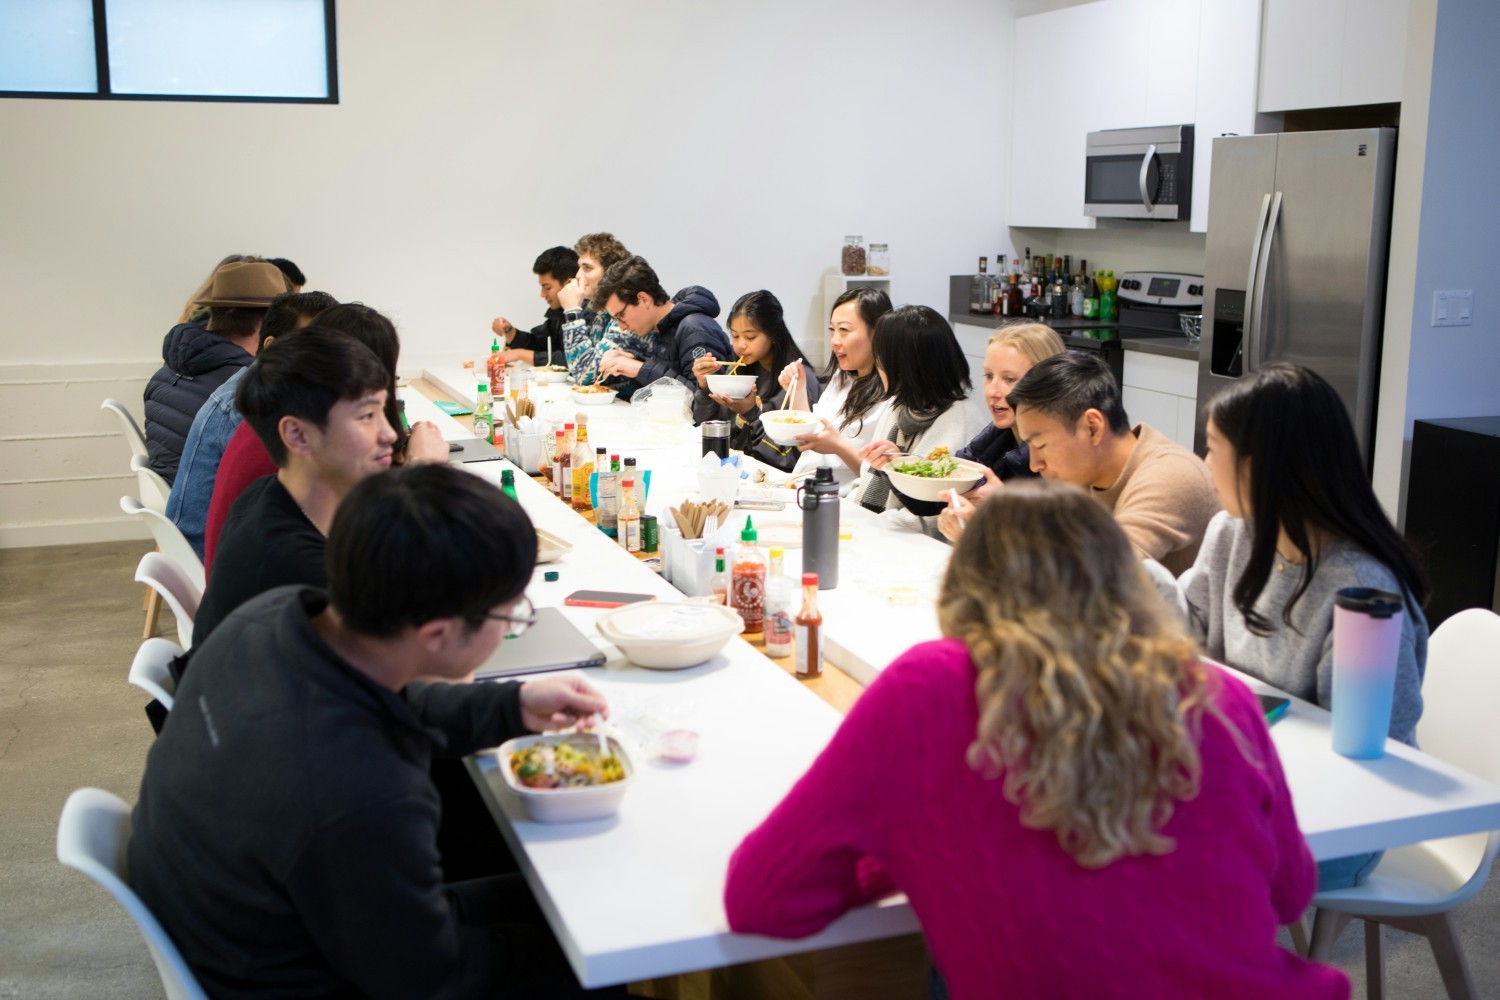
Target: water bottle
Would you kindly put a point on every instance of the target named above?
(819, 500)
(1366, 650)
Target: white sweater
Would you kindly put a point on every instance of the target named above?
(954, 428)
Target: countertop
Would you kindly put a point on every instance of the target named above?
(1168, 345)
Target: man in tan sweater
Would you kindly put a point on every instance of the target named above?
(1068, 412)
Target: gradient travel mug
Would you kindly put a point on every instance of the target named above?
(1366, 645)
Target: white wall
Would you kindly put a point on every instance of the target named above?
(1444, 233)
(732, 145)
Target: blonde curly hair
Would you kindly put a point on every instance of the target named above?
(1090, 697)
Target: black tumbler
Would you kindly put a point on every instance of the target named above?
(716, 437)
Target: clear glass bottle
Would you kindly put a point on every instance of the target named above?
(853, 260)
(979, 288)
(780, 609)
(630, 519)
(609, 492)
(878, 262)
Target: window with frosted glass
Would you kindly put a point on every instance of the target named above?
(230, 50)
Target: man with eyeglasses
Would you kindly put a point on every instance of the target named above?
(680, 329)
(285, 834)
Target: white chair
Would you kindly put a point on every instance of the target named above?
(154, 490)
(92, 834)
(171, 541)
(170, 581)
(1416, 888)
(133, 434)
(150, 670)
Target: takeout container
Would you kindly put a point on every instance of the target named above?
(566, 805)
(733, 386)
(549, 547)
(592, 398)
(670, 635)
(777, 425)
(968, 476)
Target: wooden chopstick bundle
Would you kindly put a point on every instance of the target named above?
(691, 516)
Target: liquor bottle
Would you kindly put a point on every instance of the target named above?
(780, 610)
(997, 287)
(1059, 295)
(609, 492)
(484, 420)
(979, 288)
(809, 631)
(1075, 296)
(562, 465)
(747, 580)
(1015, 304)
(718, 584)
(583, 467)
(630, 519)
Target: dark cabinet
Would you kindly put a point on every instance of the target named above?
(1453, 512)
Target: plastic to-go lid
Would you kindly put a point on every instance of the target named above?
(673, 623)
(749, 534)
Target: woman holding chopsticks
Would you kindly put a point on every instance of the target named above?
(763, 347)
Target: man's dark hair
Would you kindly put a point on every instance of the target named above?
(366, 325)
(1065, 385)
(560, 262)
(289, 307)
(425, 542)
(925, 369)
(292, 271)
(627, 280)
(304, 376)
(235, 321)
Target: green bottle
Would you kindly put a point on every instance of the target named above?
(508, 483)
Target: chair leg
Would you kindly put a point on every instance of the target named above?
(1449, 955)
(1374, 959)
(153, 612)
(1327, 926)
(1298, 929)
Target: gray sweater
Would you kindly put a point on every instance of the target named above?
(1299, 659)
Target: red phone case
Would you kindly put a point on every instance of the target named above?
(604, 599)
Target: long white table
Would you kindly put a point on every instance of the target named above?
(663, 860)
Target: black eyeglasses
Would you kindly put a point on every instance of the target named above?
(619, 317)
(523, 616)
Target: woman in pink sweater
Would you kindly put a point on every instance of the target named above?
(1073, 803)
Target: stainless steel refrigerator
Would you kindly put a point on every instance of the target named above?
(1294, 270)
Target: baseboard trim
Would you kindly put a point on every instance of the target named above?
(29, 536)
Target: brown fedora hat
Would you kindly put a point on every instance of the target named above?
(245, 283)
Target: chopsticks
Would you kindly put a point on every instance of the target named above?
(691, 516)
(732, 365)
(791, 389)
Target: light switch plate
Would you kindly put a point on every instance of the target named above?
(1453, 308)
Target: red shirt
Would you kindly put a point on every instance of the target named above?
(245, 460)
(893, 803)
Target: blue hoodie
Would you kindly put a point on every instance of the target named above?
(687, 333)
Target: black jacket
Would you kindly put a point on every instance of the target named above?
(285, 830)
(686, 334)
(536, 340)
(197, 363)
(751, 437)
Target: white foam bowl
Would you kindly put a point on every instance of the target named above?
(550, 548)
(779, 427)
(593, 398)
(968, 476)
(566, 805)
(733, 386)
(670, 635)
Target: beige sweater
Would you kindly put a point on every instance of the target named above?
(1164, 500)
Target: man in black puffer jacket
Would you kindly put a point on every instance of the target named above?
(680, 330)
(198, 358)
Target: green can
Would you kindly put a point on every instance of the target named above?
(650, 533)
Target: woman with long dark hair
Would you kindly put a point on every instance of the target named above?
(854, 398)
(1300, 522)
(759, 335)
(1063, 745)
(927, 376)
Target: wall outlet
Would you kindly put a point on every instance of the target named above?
(1453, 308)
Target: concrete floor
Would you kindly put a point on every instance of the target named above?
(71, 619)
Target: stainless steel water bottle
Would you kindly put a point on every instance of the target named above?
(819, 500)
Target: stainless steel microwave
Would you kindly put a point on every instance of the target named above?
(1139, 173)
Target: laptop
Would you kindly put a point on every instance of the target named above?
(553, 643)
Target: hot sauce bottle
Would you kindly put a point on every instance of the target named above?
(808, 626)
(747, 583)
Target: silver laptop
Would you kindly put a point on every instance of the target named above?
(553, 643)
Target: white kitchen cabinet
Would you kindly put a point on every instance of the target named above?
(1225, 100)
(1151, 72)
(1331, 53)
(1162, 392)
